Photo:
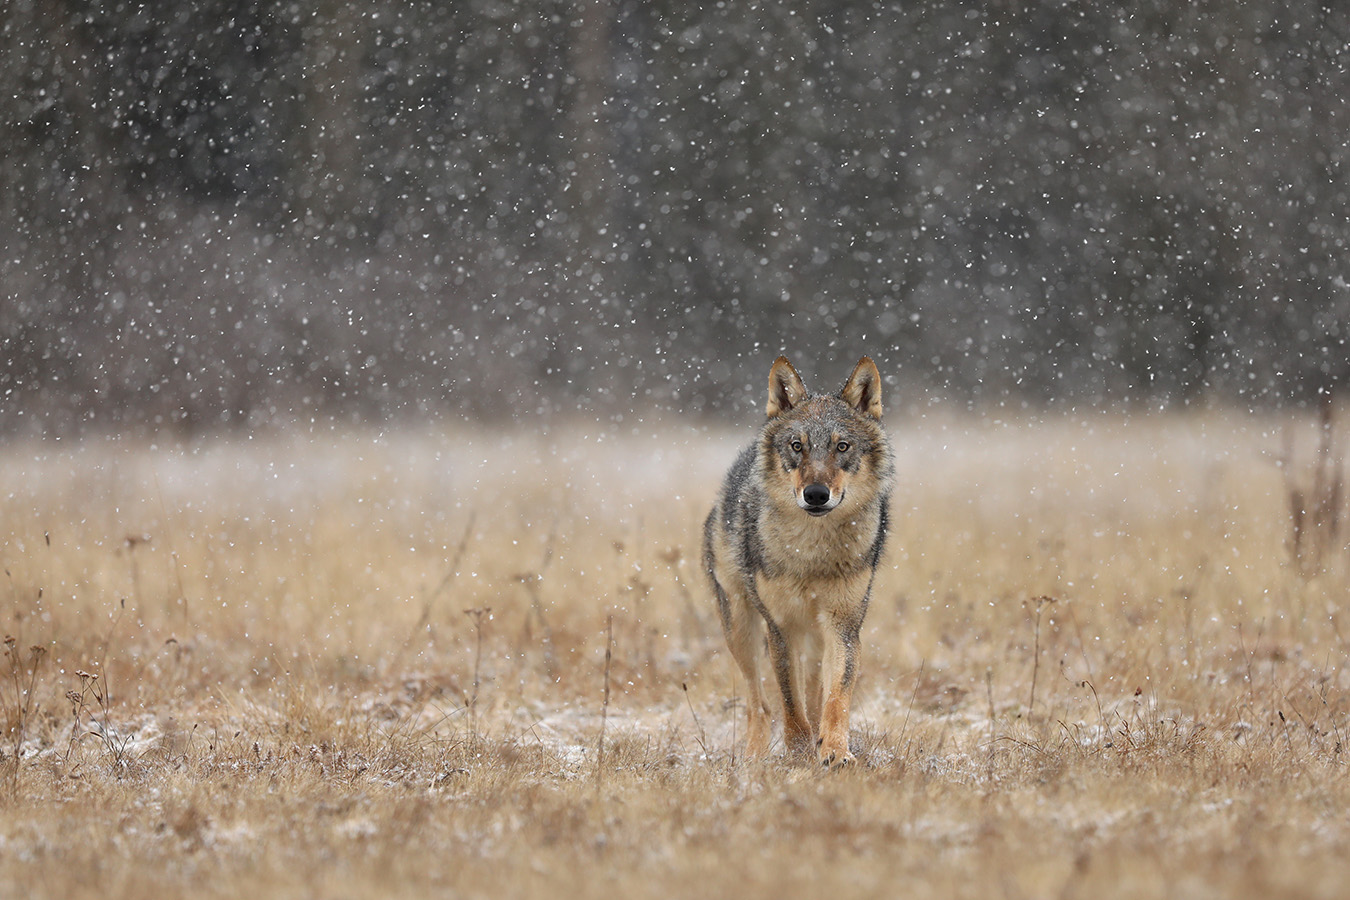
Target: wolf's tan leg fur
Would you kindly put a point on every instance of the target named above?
(797, 733)
(812, 688)
(840, 669)
(744, 629)
(758, 719)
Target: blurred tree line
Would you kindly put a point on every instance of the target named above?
(226, 213)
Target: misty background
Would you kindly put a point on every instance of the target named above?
(223, 214)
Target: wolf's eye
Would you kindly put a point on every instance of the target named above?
(842, 446)
(796, 446)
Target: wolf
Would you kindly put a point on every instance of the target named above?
(792, 546)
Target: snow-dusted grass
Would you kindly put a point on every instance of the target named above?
(372, 665)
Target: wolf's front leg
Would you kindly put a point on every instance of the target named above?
(797, 734)
(840, 671)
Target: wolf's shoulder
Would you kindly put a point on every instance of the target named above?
(742, 478)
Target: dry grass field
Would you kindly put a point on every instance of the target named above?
(485, 664)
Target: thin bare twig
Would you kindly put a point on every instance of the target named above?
(477, 615)
(604, 707)
(432, 595)
(918, 679)
(531, 581)
(1041, 603)
(697, 724)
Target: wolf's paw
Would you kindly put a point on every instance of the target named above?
(834, 758)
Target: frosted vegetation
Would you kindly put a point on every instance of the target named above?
(1093, 667)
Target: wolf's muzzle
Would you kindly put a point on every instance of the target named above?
(815, 499)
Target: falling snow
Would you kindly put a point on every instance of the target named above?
(220, 216)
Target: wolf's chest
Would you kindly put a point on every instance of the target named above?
(798, 546)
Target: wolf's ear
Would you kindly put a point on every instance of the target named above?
(862, 391)
(785, 387)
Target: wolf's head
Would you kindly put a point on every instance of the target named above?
(821, 446)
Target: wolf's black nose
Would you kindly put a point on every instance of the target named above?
(816, 494)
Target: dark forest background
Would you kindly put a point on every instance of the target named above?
(229, 214)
